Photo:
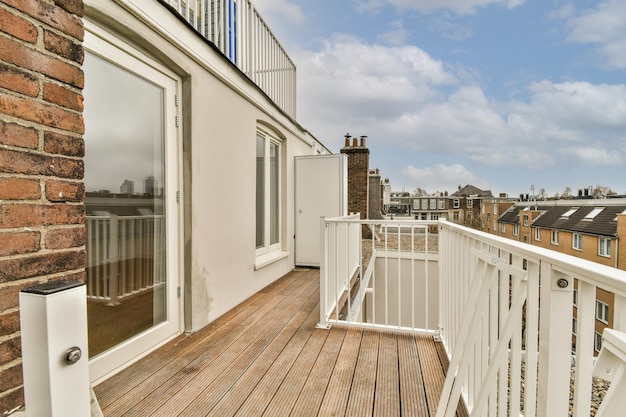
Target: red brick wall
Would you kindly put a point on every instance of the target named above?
(358, 172)
(42, 233)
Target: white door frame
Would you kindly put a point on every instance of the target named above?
(114, 50)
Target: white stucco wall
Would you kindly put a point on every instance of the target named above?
(221, 110)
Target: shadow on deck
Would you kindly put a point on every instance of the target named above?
(266, 358)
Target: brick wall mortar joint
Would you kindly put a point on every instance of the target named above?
(10, 365)
(11, 336)
(40, 151)
(39, 99)
(40, 25)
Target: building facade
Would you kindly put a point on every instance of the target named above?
(96, 93)
(589, 229)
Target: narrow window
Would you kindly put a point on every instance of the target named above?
(267, 193)
(577, 243)
(537, 234)
(602, 312)
(516, 230)
(604, 247)
(554, 237)
(598, 342)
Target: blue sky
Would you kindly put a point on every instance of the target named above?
(501, 94)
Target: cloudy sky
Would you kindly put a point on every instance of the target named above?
(501, 94)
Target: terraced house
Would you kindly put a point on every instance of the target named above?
(589, 229)
(149, 163)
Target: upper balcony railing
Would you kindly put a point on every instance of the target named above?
(509, 339)
(239, 32)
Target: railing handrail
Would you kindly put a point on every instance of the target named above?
(606, 277)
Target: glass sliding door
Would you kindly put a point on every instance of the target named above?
(130, 180)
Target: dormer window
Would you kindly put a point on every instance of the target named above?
(593, 213)
(569, 212)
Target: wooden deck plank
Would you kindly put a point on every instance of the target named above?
(266, 358)
(412, 394)
(183, 357)
(186, 365)
(312, 394)
(338, 391)
(291, 386)
(230, 403)
(266, 389)
(209, 384)
(387, 398)
(432, 373)
(364, 383)
(127, 379)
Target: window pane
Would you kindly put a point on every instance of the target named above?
(125, 184)
(274, 194)
(260, 191)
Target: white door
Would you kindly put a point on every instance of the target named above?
(321, 191)
(132, 176)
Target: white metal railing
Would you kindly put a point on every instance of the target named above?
(506, 358)
(386, 280)
(237, 29)
(125, 255)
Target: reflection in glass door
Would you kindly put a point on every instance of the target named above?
(126, 203)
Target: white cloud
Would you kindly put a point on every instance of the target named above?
(285, 8)
(441, 177)
(575, 111)
(593, 156)
(604, 26)
(460, 7)
(349, 78)
(404, 99)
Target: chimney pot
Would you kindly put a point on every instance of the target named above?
(355, 142)
(347, 136)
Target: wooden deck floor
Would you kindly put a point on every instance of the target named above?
(266, 358)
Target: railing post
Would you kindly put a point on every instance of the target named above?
(323, 324)
(619, 313)
(114, 259)
(556, 294)
(53, 320)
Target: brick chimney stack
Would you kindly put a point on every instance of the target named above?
(358, 171)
